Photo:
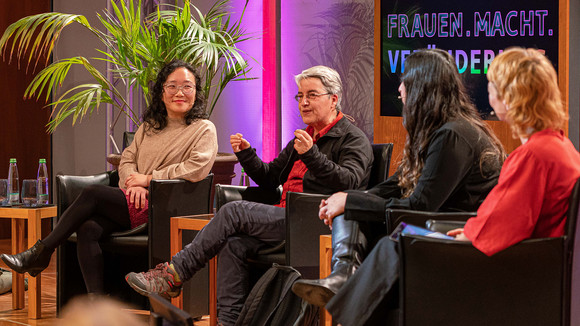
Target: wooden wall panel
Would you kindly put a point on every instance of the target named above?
(23, 131)
(390, 129)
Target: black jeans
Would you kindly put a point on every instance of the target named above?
(237, 230)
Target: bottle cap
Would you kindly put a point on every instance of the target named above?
(42, 160)
(12, 160)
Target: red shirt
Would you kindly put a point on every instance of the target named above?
(531, 197)
(296, 175)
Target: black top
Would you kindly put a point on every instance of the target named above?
(341, 159)
(451, 180)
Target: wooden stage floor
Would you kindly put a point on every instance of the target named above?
(20, 317)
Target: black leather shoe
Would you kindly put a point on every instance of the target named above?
(32, 261)
(319, 292)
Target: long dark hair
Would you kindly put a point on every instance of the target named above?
(435, 95)
(156, 114)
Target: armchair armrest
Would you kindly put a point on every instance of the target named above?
(443, 226)
(227, 193)
(419, 218)
(443, 278)
(168, 198)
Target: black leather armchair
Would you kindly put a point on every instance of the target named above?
(135, 250)
(535, 282)
(303, 228)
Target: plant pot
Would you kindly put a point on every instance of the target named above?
(223, 170)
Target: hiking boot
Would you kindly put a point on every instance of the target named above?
(160, 280)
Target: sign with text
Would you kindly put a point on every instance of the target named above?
(473, 32)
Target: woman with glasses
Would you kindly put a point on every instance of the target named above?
(175, 141)
(451, 161)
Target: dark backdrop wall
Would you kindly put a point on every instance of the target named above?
(22, 127)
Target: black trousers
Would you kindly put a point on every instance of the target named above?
(97, 212)
(371, 294)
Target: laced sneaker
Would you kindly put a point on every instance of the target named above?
(160, 280)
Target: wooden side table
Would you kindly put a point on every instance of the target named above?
(19, 215)
(195, 223)
(325, 270)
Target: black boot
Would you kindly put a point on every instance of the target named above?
(348, 248)
(32, 261)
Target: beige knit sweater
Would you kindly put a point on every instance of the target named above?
(179, 151)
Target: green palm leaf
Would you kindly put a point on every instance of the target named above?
(42, 30)
(78, 102)
(136, 48)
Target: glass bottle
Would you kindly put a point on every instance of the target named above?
(13, 183)
(244, 179)
(42, 182)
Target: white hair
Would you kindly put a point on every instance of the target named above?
(329, 77)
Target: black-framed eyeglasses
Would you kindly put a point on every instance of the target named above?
(309, 96)
(173, 89)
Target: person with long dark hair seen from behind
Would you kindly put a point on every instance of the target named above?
(451, 161)
(175, 141)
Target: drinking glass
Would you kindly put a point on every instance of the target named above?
(3, 192)
(28, 195)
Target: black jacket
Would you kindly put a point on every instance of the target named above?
(451, 179)
(340, 160)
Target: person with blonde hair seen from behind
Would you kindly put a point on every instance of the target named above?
(540, 174)
(95, 310)
(529, 201)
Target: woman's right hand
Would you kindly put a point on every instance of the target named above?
(138, 196)
(238, 142)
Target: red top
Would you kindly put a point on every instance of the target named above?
(531, 197)
(294, 181)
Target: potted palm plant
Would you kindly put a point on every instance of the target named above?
(136, 47)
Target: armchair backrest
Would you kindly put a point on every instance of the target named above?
(381, 163)
(68, 187)
(128, 138)
(169, 198)
(303, 230)
(572, 245)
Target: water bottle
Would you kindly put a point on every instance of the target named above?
(13, 183)
(244, 179)
(42, 183)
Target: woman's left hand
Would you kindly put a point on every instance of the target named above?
(458, 234)
(138, 180)
(332, 207)
(138, 196)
